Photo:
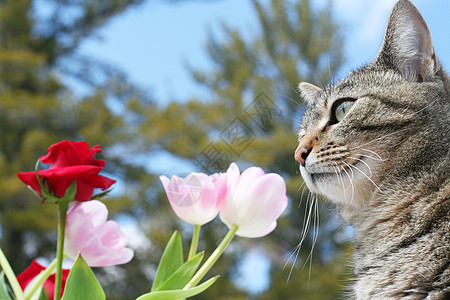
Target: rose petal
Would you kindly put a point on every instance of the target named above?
(67, 153)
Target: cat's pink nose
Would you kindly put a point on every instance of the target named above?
(301, 154)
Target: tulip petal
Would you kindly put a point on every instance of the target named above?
(256, 202)
(165, 181)
(100, 242)
(197, 198)
(95, 212)
(266, 201)
(233, 174)
(246, 179)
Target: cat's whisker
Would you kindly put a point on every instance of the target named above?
(426, 106)
(315, 234)
(307, 218)
(351, 180)
(305, 229)
(303, 188)
(295, 254)
(376, 154)
(299, 104)
(370, 179)
(338, 173)
(314, 209)
(370, 157)
(368, 167)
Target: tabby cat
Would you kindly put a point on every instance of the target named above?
(376, 143)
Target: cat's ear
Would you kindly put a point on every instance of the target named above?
(407, 44)
(309, 91)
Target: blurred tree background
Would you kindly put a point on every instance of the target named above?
(251, 117)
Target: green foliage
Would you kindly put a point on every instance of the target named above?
(81, 283)
(4, 293)
(43, 296)
(173, 275)
(37, 110)
(171, 260)
(178, 294)
(182, 275)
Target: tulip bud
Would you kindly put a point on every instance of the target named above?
(254, 201)
(197, 198)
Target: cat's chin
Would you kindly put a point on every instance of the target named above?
(331, 186)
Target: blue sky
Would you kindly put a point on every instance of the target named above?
(154, 42)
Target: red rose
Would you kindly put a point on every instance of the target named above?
(70, 161)
(33, 270)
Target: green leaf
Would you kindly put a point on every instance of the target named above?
(82, 284)
(178, 294)
(4, 294)
(101, 195)
(171, 260)
(43, 296)
(182, 275)
(69, 194)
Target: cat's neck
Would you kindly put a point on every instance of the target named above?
(395, 230)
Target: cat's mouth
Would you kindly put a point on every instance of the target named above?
(342, 182)
(344, 168)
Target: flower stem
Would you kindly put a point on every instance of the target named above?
(212, 259)
(62, 214)
(11, 277)
(44, 276)
(194, 241)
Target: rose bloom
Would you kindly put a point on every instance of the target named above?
(70, 161)
(100, 242)
(254, 201)
(33, 270)
(197, 198)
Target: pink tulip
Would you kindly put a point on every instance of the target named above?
(197, 198)
(254, 201)
(100, 242)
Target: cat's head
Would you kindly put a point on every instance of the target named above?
(379, 121)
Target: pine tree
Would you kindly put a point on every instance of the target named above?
(37, 109)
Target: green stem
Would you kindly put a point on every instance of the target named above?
(44, 275)
(213, 258)
(62, 214)
(194, 241)
(11, 277)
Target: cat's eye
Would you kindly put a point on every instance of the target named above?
(341, 108)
